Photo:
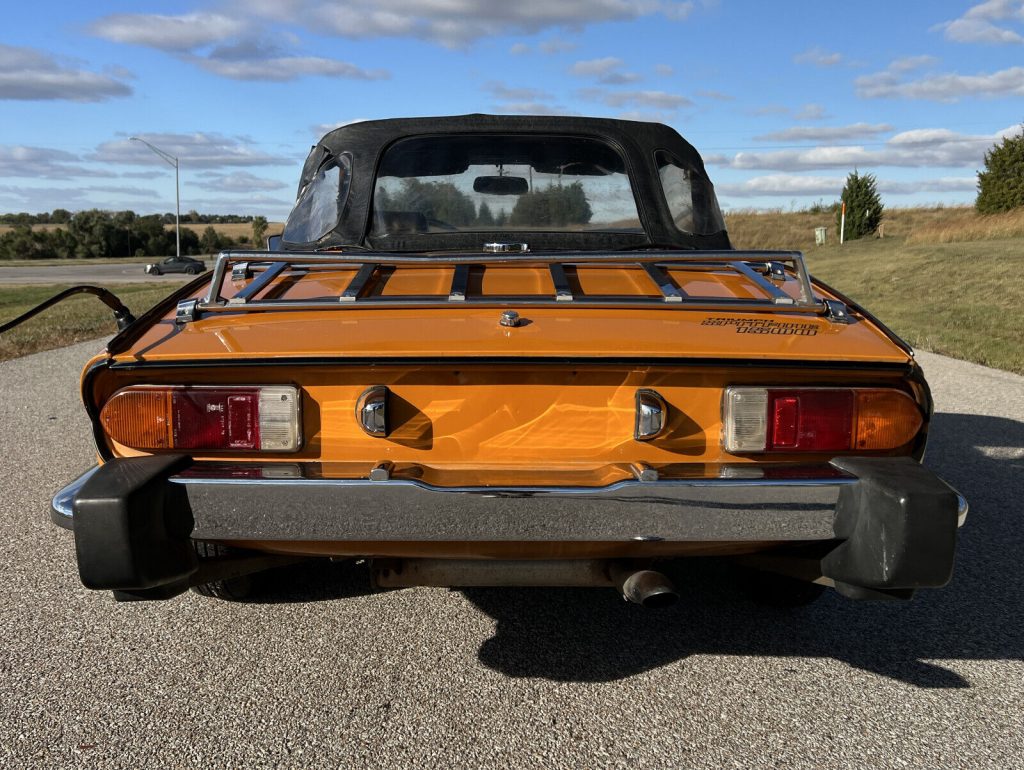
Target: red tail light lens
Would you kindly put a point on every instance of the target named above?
(810, 420)
(818, 419)
(242, 418)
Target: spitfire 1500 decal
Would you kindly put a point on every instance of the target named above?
(765, 326)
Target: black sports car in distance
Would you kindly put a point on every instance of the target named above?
(177, 265)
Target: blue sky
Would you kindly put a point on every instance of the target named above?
(782, 99)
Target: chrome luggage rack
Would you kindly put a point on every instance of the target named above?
(766, 270)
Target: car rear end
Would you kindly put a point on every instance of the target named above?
(516, 420)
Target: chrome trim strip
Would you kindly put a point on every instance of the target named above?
(62, 506)
(537, 491)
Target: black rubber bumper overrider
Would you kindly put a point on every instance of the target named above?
(131, 527)
(899, 524)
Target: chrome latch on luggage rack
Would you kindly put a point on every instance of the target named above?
(187, 311)
(837, 312)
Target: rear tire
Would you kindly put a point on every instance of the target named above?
(230, 590)
(192, 270)
(771, 589)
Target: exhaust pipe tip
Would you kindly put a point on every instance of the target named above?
(649, 589)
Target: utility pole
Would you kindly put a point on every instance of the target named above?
(170, 159)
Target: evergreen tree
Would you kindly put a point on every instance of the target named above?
(259, 229)
(1001, 184)
(555, 206)
(863, 206)
(484, 217)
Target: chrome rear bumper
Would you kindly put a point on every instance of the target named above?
(226, 505)
(231, 506)
(886, 523)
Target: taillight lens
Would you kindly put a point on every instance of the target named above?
(243, 418)
(818, 419)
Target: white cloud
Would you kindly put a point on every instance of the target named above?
(606, 70)
(556, 45)
(826, 133)
(170, 33)
(194, 151)
(131, 192)
(657, 100)
(522, 101)
(946, 87)
(783, 185)
(811, 112)
(457, 23)
(500, 90)
(238, 181)
(941, 185)
(819, 57)
(43, 162)
(284, 68)
(665, 70)
(529, 108)
(911, 63)
(596, 67)
(792, 185)
(979, 24)
(237, 52)
(924, 148)
(27, 74)
(518, 49)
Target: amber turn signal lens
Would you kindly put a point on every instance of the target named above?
(886, 419)
(139, 418)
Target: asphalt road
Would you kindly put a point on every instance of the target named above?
(125, 272)
(328, 674)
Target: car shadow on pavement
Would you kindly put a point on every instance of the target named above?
(593, 635)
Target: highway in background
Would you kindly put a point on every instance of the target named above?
(114, 272)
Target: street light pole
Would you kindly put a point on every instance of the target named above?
(170, 159)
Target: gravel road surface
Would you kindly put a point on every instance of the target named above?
(328, 674)
(126, 272)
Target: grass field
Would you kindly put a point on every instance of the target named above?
(79, 318)
(957, 299)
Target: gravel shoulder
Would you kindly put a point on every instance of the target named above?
(327, 673)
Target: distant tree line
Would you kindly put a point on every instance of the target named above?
(95, 233)
(63, 216)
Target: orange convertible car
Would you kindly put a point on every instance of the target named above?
(509, 351)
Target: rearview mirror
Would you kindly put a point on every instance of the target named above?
(501, 185)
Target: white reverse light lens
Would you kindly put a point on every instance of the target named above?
(280, 430)
(745, 419)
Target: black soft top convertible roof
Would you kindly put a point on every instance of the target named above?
(638, 142)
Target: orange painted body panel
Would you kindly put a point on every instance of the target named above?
(660, 330)
(455, 423)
